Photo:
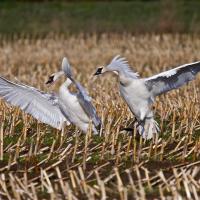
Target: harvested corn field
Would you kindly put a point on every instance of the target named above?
(39, 162)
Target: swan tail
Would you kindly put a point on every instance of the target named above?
(148, 129)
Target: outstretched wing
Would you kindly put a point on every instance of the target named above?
(42, 106)
(172, 79)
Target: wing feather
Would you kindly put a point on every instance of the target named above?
(85, 102)
(83, 97)
(172, 79)
(43, 106)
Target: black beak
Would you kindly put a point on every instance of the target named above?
(99, 71)
(50, 80)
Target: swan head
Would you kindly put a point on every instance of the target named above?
(54, 77)
(100, 70)
(65, 70)
(119, 65)
(114, 66)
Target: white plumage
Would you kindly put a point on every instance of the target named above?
(139, 93)
(77, 107)
(54, 109)
(43, 106)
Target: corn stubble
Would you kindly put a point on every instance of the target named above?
(39, 162)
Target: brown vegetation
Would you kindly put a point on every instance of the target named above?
(38, 162)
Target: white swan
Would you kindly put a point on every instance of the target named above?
(139, 93)
(54, 109)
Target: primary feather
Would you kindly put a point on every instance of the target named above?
(43, 106)
(172, 79)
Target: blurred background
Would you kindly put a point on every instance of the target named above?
(41, 18)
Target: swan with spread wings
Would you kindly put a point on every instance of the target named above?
(56, 110)
(139, 93)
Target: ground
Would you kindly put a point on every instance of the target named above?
(38, 162)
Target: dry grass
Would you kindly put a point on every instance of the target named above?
(38, 162)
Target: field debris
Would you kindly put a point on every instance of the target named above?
(39, 162)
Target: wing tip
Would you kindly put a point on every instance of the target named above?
(66, 67)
